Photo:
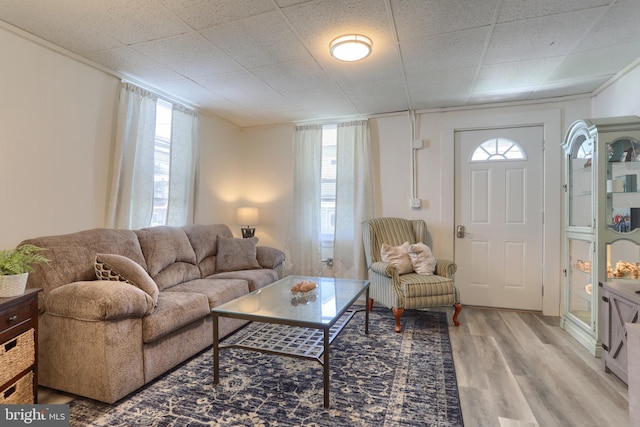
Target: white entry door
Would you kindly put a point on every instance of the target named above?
(498, 217)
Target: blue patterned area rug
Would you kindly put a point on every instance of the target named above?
(384, 379)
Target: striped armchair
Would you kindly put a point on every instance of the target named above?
(411, 290)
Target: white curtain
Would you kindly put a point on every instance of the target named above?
(354, 198)
(183, 168)
(354, 201)
(131, 198)
(303, 250)
(132, 189)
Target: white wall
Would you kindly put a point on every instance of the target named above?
(621, 98)
(219, 172)
(55, 142)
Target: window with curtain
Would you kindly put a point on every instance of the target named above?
(332, 195)
(154, 165)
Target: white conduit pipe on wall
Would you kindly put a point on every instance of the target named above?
(416, 144)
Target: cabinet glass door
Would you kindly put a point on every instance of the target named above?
(579, 275)
(581, 183)
(623, 198)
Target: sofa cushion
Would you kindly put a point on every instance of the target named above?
(169, 256)
(269, 257)
(256, 278)
(218, 291)
(204, 240)
(236, 254)
(398, 256)
(122, 269)
(99, 300)
(174, 310)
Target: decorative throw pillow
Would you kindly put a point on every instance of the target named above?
(423, 261)
(398, 256)
(236, 254)
(123, 269)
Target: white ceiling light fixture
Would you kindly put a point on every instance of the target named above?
(351, 47)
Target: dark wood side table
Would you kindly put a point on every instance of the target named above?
(19, 348)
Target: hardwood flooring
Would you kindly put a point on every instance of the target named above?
(519, 369)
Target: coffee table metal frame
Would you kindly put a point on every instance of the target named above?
(287, 333)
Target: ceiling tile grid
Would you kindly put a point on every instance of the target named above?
(258, 62)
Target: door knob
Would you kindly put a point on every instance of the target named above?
(460, 232)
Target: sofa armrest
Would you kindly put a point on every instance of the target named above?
(384, 268)
(99, 300)
(269, 257)
(445, 268)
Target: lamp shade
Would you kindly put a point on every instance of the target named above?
(248, 216)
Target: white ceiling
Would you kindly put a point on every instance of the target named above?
(257, 62)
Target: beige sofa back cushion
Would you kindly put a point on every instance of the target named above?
(169, 255)
(204, 240)
(72, 256)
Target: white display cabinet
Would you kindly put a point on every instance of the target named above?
(602, 224)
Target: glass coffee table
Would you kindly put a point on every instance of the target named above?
(296, 325)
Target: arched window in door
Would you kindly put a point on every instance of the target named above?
(498, 149)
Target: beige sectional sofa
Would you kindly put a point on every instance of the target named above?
(150, 311)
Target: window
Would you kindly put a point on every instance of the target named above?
(497, 149)
(155, 154)
(328, 189)
(161, 163)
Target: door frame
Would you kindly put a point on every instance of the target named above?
(551, 121)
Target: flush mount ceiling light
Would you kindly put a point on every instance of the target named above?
(351, 47)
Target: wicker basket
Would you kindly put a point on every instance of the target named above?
(17, 354)
(13, 285)
(21, 392)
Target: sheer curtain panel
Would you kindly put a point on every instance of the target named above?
(131, 199)
(354, 198)
(303, 247)
(183, 168)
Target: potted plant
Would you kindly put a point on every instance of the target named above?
(15, 265)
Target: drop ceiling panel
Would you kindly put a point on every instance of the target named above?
(190, 55)
(258, 40)
(516, 10)
(515, 74)
(201, 14)
(620, 25)
(323, 98)
(542, 37)
(437, 89)
(237, 86)
(418, 19)
(294, 75)
(573, 87)
(129, 62)
(596, 62)
(133, 21)
(462, 49)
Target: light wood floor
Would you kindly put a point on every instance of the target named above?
(519, 369)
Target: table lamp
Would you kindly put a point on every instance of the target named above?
(248, 216)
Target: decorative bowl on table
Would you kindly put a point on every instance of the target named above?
(304, 292)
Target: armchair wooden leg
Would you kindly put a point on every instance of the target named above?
(370, 304)
(397, 313)
(458, 307)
